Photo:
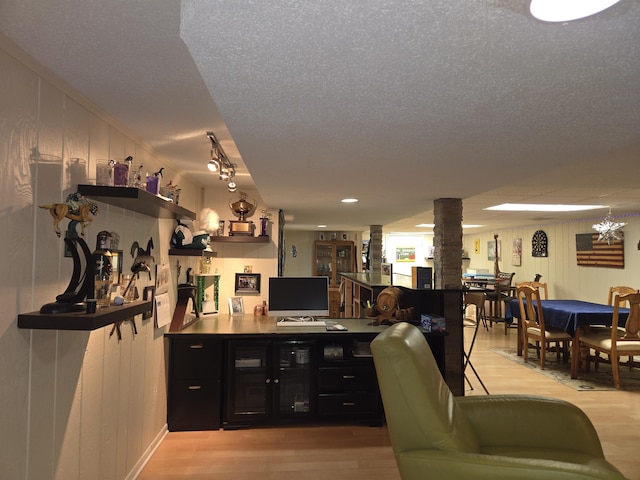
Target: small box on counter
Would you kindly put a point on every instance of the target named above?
(432, 323)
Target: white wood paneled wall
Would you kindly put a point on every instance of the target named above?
(75, 405)
(560, 269)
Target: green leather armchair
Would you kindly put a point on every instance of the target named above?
(436, 435)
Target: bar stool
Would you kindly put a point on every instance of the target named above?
(477, 299)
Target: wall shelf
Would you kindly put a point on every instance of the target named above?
(239, 239)
(186, 252)
(136, 200)
(81, 320)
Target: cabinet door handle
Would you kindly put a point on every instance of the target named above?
(195, 387)
(196, 345)
(277, 380)
(348, 377)
(348, 404)
(268, 380)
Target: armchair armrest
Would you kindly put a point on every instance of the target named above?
(437, 464)
(530, 421)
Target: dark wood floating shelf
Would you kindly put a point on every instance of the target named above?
(186, 252)
(240, 239)
(81, 320)
(136, 200)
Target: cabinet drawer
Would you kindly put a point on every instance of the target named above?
(347, 378)
(193, 358)
(194, 405)
(348, 404)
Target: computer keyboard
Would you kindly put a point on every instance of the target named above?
(301, 323)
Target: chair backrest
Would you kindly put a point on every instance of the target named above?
(632, 325)
(503, 281)
(420, 410)
(476, 299)
(619, 290)
(541, 286)
(530, 307)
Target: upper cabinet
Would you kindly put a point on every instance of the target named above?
(331, 258)
(136, 200)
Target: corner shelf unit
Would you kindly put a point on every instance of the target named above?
(239, 239)
(81, 320)
(136, 200)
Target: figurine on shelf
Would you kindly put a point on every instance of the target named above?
(265, 217)
(76, 208)
(183, 237)
(142, 257)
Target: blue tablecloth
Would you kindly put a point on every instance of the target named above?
(570, 315)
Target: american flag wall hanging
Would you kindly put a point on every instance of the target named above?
(592, 253)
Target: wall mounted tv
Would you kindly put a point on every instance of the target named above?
(299, 296)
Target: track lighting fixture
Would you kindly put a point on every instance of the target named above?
(219, 163)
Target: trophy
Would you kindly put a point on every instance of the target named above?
(242, 209)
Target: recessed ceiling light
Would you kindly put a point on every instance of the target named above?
(322, 226)
(431, 225)
(349, 200)
(567, 10)
(540, 207)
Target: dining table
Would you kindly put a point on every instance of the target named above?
(568, 315)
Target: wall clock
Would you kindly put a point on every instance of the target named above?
(539, 244)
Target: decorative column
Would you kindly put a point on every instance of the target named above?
(447, 242)
(375, 249)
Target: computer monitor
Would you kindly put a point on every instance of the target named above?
(299, 296)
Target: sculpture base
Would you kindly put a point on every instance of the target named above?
(237, 227)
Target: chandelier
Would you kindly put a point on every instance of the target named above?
(608, 229)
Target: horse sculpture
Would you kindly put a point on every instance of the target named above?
(82, 215)
(142, 256)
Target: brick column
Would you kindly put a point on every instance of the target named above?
(447, 242)
(375, 248)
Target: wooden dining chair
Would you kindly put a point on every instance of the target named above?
(496, 298)
(613, 291)
(619, 290)
(533, 327)
(612, 341)
(541, 286)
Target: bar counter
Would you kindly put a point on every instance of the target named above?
(248, 324)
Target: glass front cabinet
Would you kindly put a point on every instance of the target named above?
(331, 258)
(269, 380)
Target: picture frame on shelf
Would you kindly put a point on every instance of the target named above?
(236, 305)
(116, 267)
(247, 283)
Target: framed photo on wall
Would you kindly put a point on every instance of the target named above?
(247, 283)
(516, 254)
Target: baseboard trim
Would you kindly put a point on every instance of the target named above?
(148, 453)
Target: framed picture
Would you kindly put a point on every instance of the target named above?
(247, 283)
(492, 250)
(405, 254)
(516, 255)
(236, 305)
(116, 265)
(387, 268)
(248, 269)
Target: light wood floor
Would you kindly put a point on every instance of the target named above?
(364, 453)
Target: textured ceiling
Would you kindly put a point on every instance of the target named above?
(395, 103)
